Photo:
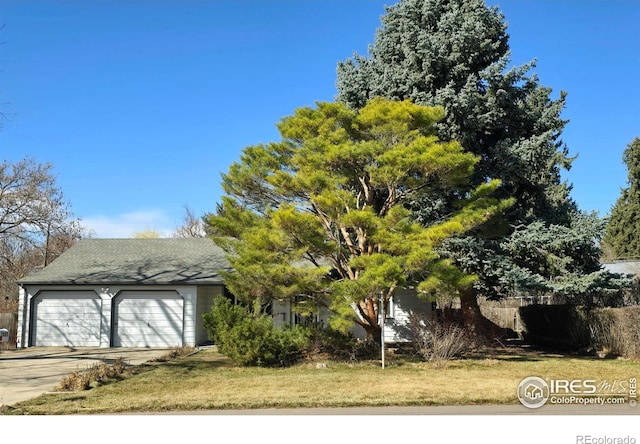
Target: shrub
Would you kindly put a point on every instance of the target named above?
(76, 380)
(97, 373)
(614, 331)
(253, 339)
(437, 342)
(333, 343)
(606, 331)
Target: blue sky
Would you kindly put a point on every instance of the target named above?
(141, 105)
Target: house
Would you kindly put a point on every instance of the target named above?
(122, 293)
(148, 293)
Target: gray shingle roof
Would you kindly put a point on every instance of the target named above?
(135, 261)
(623, 267)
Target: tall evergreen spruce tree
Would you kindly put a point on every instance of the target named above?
(455, 54)
(622, 235)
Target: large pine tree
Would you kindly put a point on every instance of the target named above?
(455, 54)
(320, 217)
(622, 235)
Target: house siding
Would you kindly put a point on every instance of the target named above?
(281, 313)
(105, 333)
(205, 297)
(404, 304)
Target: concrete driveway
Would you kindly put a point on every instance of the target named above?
(30, 372)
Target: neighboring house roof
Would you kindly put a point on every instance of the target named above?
(623, 267)
(135, 261)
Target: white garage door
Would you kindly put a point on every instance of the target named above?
(67, 319)
(148, 319)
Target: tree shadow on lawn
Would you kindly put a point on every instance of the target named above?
(511, 353)
(523, 352)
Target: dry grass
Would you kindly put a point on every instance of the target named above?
(207, 380)
(96, 374)
(104, 373)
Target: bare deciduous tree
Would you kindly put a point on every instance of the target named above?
(31, 204)
(36, 224)
(192, 226)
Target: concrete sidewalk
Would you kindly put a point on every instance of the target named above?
(30, 372)
(482, 410)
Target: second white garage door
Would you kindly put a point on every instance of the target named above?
(148, 319)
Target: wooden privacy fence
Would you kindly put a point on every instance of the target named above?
(505, 317)
(9, 321)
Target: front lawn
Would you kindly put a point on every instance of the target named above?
(208, 380)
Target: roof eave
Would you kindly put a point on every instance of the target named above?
(123, 282)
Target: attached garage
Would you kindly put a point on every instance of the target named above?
(122, 293)
(63, 318)
(148, 319)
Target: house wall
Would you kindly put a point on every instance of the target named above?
(107, 294)
(206, 295)
(404, 303)
(401, 307)
(23, 319)
(281, 313)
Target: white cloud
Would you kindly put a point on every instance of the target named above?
(126, 224)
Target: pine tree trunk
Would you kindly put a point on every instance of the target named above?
(479, 328)
(374, 333)
(371, 327)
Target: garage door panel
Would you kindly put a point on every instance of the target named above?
(67, 319)
(149, 319)
(152, 312)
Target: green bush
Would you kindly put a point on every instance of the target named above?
(253, 339)
(333, 343)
